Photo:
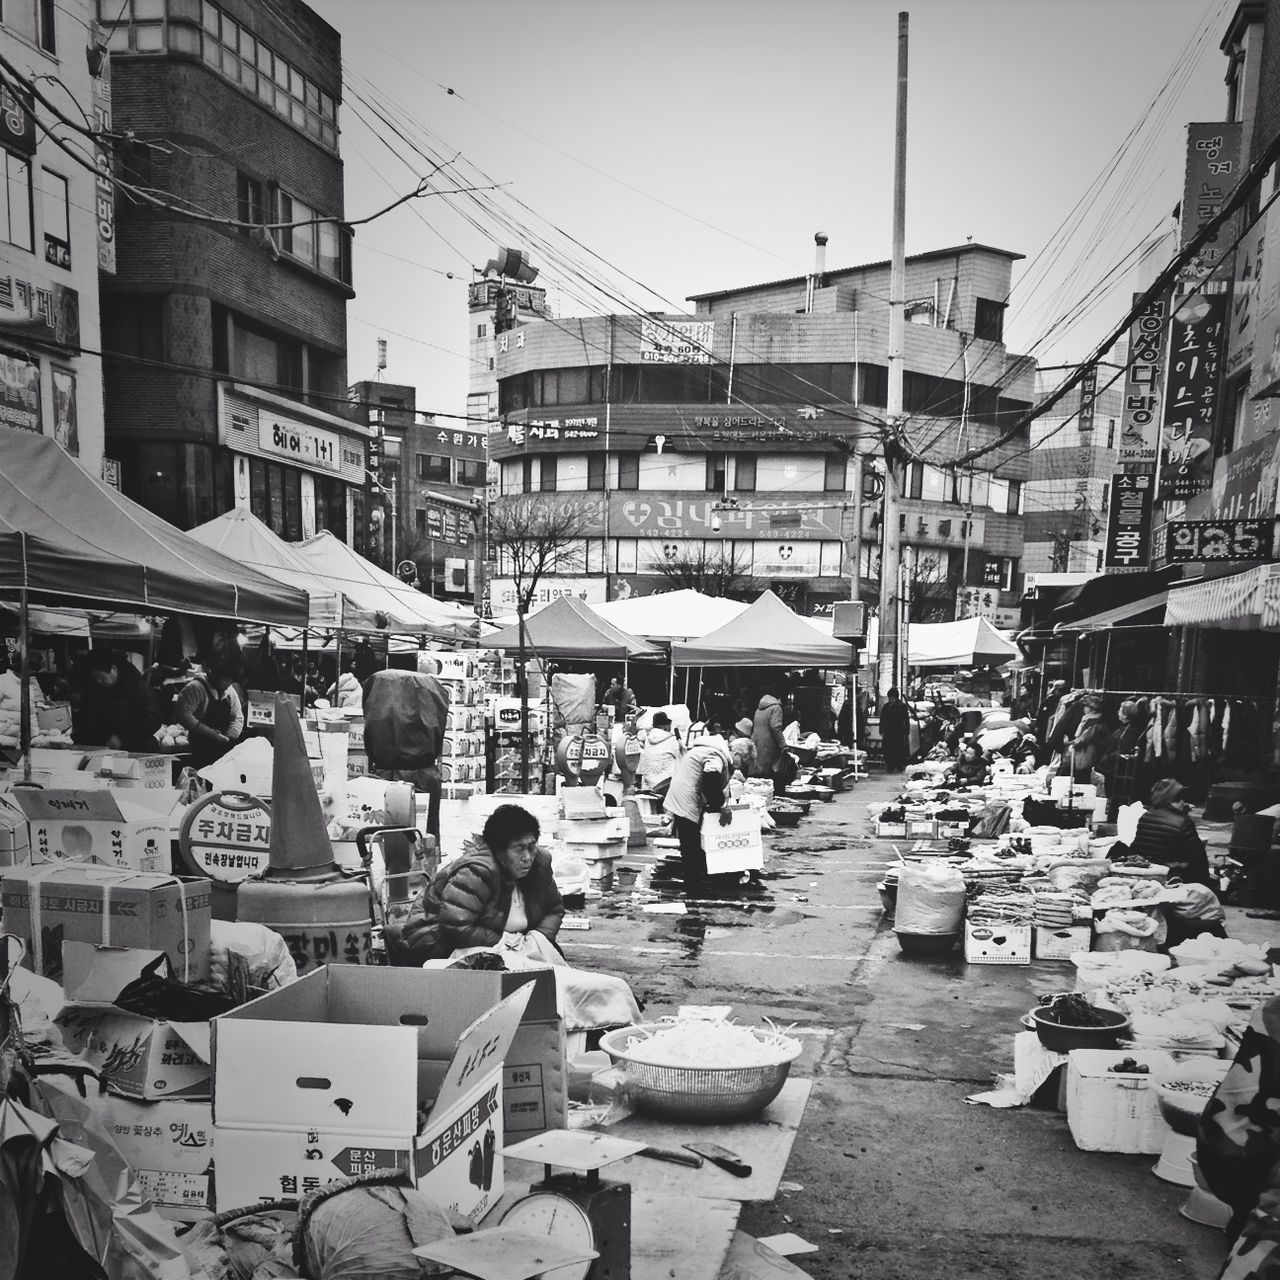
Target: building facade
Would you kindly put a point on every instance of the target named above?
(723, 446)
(226, 368)
(54, 231)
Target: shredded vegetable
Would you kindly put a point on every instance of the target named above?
(710, 1043)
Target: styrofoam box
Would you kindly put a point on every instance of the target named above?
(926, 827)
(997, 944)
(891, 830)
(1061, 944)
(1107, 1111)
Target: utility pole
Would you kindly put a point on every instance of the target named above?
(890, 535)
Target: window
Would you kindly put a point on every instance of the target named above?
(251, 205)
(420, 519)
(595, 471)
(526, 475)
(834, 472)
(550, 468)
(15, 222)
(320, 244)
(482, 331)
(492, 364)
(1014, 507)
(744, 473)
(433, 468)
(1234, 419)
(133, 325)
(715, 473)
(471, 472)
(55, 215)
(629, 471)
(875, 384)
(46, 34)
(988, 320)
(32, 19)
(1111, 433)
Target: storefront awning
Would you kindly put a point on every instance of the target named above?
(1118, 616)
(1233, 603)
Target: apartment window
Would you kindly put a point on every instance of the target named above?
(319, 244)
(32, 19)
(988, 320)
(133, 325)
(433, 468)
(550, 469)
(834, 471)
(251, 205)
(715, 472)
(15, 224)
(46, 34)
(744, 473)
(471, 473)
(526, 475)
(629, 471)
(1111, 433)
(1014, 507)
(482, 331)
(55, 217)
(595, 471)
(492, 364)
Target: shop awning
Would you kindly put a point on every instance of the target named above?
(1118, 616)
(1233, 603)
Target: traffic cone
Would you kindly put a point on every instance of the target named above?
(299, 837)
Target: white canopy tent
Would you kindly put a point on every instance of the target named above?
(969, 642)
(671, 615)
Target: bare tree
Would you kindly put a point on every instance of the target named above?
(715, 570)
(933, 589)
(534, 535)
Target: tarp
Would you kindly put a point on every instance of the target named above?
(567, 628)
(247, 540)
(970, 642)
(1236, 602)
(671, 615)
(766, 634)
(375, 591)
(1120, 615)
(64, 534)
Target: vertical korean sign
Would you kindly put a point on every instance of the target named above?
(1129, 522)
(104, 198)
(1084, 454)
(1143, 381)
(1197, 335)
(1213, 169)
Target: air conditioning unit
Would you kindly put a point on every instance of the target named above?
(849, 621)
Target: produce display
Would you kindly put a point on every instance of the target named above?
(172, 737)
(711, 1043)
(1073, 1010)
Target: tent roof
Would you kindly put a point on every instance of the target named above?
(969, 642)
(247, 540)
(567, 628)
(670, 615)
(765, 634)
(374, 590)
(65, 534)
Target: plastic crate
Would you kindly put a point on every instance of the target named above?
(1062, 944)
(1110, 1112)
(997, 943)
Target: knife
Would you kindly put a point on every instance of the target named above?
(673, 1157)
(722, 1156)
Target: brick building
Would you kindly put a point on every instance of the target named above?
(52, 234)
(233, 107)
(725, 438)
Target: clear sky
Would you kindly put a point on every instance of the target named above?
(650, 150)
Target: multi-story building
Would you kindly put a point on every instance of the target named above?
(501, 297)
(723, 444)
(226, 378)
(53, 228)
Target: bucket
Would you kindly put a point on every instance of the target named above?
(324, 921)
(1174, 1164)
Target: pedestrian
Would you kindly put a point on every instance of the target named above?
(210, 710)
(1084, 752)
(766, 736)
(1167, 836)
(659, 754)
(1121, 764)
(405, 714)
(1045, 717)
(895, 732)
(699, 785)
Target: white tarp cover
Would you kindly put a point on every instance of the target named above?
(766, 634)
(671, 615)
(970, 642)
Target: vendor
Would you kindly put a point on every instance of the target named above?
(502, 884)
(742, 750)
(699, 785)
(618, 699)
(971, 769)
(1167, 837)
(117, 708)
(659, 754)
(1121, 765)
(345, 691)
(211, 712)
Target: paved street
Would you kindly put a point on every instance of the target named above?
(899, 1177)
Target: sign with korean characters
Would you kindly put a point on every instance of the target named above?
(17, 124)
(1197, 337)
(1218, 540)
(227, 836)
(19, 392)
(1129, 522)
(1213, 169)
(300, 443)
(676, 341)
(459, 444)
(1246, 297)
(1144, 383)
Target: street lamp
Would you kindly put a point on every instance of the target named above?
(386, 490)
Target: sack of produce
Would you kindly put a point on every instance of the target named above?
(1096, 969)
(930, 899)
(1122, 930)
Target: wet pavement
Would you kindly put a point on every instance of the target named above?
(898, 1177)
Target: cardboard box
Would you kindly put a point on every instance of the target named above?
(169, 1146)
(54, 718)
(122, 828)
(144, 910)
(152, 771)
(736, 847)
(1062, 944)
(535, 1081)
(329, 1075)
(15, 844)
(138, 1057)
(997, 944)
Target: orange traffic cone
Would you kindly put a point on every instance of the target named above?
(299, 836)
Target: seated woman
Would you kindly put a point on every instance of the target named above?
(501, 895)
(970, 770)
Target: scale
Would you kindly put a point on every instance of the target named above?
(572, 1225)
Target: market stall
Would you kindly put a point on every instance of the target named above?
(968, 642)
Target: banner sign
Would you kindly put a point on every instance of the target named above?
(104, 197)
(676, 341)
(1218, 540)
(1144, 383)
(1246, 297)
(19, 392)
(36, 312)
(554, 430)
(1129, 522)
(1198, 330)
(449, 524)
(1213, 169)
(1245, 487)
(17, 123)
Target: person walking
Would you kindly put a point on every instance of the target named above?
(766, 736)
(895, 732)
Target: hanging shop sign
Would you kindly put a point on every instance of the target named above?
(460, 444)
(1213, 169)
(1144, 384)
(104, 195)
(676, 341)
(1218, 540)
(1246, 297)
(1129, 522)
(448, 524)
(1197, 333)
(1266, 342)
(35, 312)
(1244, 486)
(554, 431)
(19, 392)
(66, 427)
(17, 123)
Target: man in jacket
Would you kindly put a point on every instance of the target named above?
(1168, 837)
(699, 785)
(766, 736)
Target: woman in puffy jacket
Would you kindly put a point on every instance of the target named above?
(502, 884)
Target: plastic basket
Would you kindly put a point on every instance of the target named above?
(707, 1094)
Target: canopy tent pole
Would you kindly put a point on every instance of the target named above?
(306, 635)
(522, 676)
(699, 702)
(337, 657)
(671, 677)
(24, 674)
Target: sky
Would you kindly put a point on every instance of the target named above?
(643, 152)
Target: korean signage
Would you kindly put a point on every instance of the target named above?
(66, 428)
(1246, 297)
(1213, 169)
(300, 443)
(502, 592)
(459, 444)
(17, 124)
(741, 427)
(104, 196)
(676, 341)
(786, 559)
(1245, 485)
(447, 523)
(993, 571)
(565, 431)
(19, 392)
(678, 515)
(1266, 343)
(1218, 540)
(1084, 453)
(1197, 333)
(1129, 522)
(1143, 384)
(40, 313)
(983, 602)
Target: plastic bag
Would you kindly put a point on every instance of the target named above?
(930, 900)
(1095, 969)
(1128, 931)
(257, 956)
(573, 700)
